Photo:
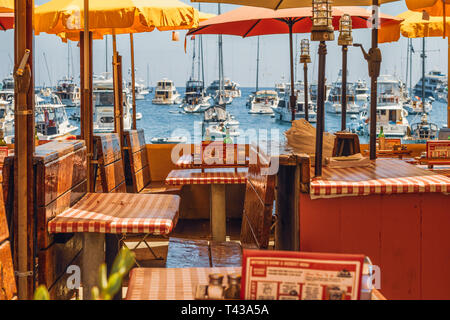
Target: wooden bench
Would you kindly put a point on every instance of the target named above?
(60, 181)
(137, 166)
(7, 280)
(110, 176)
(255, 229)
(438, 153)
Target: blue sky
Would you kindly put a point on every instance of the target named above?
(166, 58)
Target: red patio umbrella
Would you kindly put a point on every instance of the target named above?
(254, 21)
(6, 20)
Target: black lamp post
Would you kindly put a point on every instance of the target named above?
(305, 58)
(322, 30)
(345, 40)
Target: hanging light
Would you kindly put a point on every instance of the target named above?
(345, 31)
(304, 51)
(175, 36)
(322, 29)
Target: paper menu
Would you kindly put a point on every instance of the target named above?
(288, 275)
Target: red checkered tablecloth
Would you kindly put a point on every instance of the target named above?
(170, 283)
(189, 161)
(383, 176)
(119, 213)
(195, 176)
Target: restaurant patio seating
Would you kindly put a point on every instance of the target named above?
(67, 217)
(257, 221)
(137, 166)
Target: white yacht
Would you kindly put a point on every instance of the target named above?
(417, 107)
(231, 89)
(434, 81)
(283, 111)
(7, 89)
(361, 91)
(103, 96)
(140, 90)
(51, 118)
(423, 130)
(68, 91)
(166, 93)
(195, 99)
(390, 113)
(218, 123)
(334, 102)
(7, 119)
(264, 102)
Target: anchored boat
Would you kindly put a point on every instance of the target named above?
(263, 102)
(166, 93)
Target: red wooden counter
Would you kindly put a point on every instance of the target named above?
(393, 212)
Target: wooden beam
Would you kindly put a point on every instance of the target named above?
(133, 81)
(24, 144)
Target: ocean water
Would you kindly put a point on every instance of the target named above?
(167, 121)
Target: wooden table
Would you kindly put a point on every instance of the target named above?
(195, 161)
(218, 179)
(179, 283)
(391, 153)
(119, 213)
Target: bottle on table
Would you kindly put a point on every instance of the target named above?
(381, 139)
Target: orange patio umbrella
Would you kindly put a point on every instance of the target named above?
(6, 20)
(255, 21)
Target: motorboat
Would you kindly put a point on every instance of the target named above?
(416, 106)
(423, 130)
(140, 90)
(103, 96)
(231, 88)
(433, 81)
(362, 92)
(218, 123)
(334, 102)
(68, 91)
(166, 93)
(283, 111)
(263, 102)
(51, 118)
(171, 140)
(7, 89)
(195, 99)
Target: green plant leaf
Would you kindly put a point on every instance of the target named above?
(114, 284)
(95, 292)
(103, 277)
(41, 293)
(123, 262)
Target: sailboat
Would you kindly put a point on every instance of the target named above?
(195, 99)
(218, 123)
(262, 101)
(66, 88)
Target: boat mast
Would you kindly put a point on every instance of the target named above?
(68, 60)
(148, 76)
(48, 70)
(407, 66)
(221, 80)
(423, 72)
(193, 62)
(257, 67)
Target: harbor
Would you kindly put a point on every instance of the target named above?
(316, 166)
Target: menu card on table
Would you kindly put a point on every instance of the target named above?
(288, 275)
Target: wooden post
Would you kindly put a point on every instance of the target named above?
(86, 109)
(93, 255)
(218, 219)
(116, 84)
(133, 79)
(320, 126)
(24, 145)
(120, 109)
(448, 102)
(305, 72)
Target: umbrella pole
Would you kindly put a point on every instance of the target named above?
(320, 109)
(344, 89)
(133, 85)
(305, 72)
(293, 98)
(24, 145)
(373, 87)
(448, 102)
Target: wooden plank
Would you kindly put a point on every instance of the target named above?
(225, 254)
(8, 186)
(141, 178)
(135, 139)
(53, 261)
(4, 233)
(59, 290)
(60, 175)
(112, 176)
(45, 214)
(108, 147)
(56, 149)
(185, 253)
(139, 160)
(7, 281)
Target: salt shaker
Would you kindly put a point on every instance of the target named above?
(234, 286)
(215, 287)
